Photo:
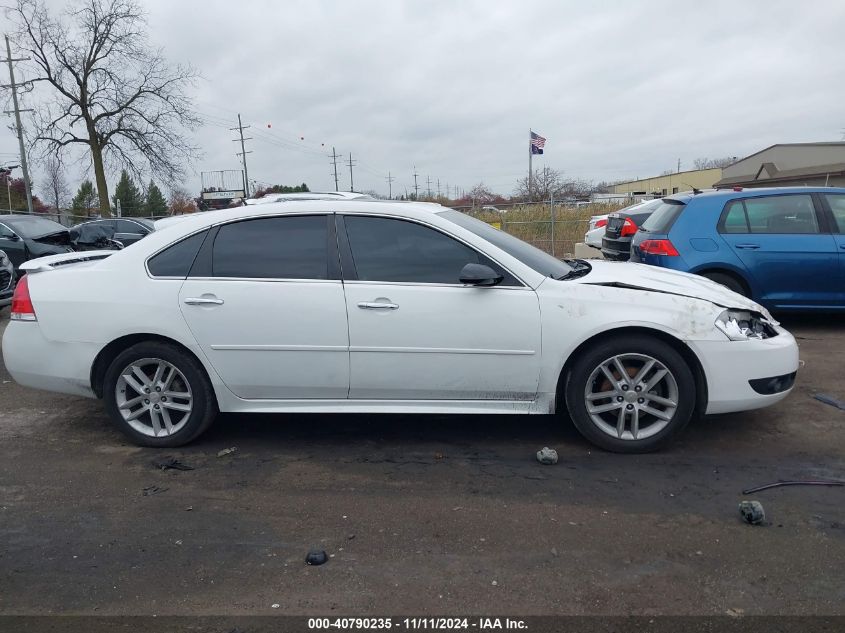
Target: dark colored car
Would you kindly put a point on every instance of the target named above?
(25, 237)
(99, 234)
(784, 247)
(7, 279)
(621, 228)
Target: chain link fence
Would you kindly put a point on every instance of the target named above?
(551, 228)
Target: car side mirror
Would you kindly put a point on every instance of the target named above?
(479, 275)
(12, 237)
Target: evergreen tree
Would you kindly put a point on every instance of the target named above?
(86, 199)
(156, 205)
(131, 198)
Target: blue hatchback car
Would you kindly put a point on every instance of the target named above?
(783, 246)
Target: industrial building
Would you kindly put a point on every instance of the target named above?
(669, 183)
(789, 165)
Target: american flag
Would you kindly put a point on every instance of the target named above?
(537, 143)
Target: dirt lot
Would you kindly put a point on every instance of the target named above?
(423, 515)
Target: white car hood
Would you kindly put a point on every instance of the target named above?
(644, 277)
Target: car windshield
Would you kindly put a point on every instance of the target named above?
(32, 227)
(529, 255)
(663, 217)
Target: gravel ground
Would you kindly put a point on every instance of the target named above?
(424, 515)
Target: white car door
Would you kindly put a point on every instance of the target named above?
(417, 333)
(265, 302)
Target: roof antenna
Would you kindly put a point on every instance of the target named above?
(695, 191)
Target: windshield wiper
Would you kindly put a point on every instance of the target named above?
(579, 269)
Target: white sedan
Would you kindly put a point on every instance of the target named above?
(370, 306)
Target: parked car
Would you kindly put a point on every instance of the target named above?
(25, 237)
(621, 227)
(783, 247)
(97, 234)
(7, 279)
(379, 306)
(595, 231)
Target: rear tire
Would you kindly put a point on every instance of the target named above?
(638, 411)
(729, 281)
(158, 395)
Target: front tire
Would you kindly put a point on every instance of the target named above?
(158, 395)
(630, 394)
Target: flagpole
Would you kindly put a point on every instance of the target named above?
(530, 154)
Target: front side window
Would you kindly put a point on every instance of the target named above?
(793, 214)
(290, 247)
(385, 249)
(6, 232)
(837, 206)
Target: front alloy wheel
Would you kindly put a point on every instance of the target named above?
(630, 394)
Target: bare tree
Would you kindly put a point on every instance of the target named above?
(548, 182)
(110, 91)
(57, 187)
(708, 163)
(481, 194)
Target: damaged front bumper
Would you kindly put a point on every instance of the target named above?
(750, 374)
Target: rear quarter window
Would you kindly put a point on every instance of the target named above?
(664, 217)
(176, 260)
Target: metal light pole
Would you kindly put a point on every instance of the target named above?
(8, 169)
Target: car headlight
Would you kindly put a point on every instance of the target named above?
(745, 325)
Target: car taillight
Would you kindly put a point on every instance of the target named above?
(658, 247)
(601, 223)
(22, 309)
(629, 228)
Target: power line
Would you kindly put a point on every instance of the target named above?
(334, 162)
(14, 87)
(416, 187)
(351, 163)
(390, 180)
(243, 153)
(428, 181)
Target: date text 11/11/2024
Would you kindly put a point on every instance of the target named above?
(417, 624)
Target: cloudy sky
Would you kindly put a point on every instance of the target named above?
(620, 89)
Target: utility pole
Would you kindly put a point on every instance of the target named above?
(351, 164)
(428, 181)
(334, 162)
(438, 187)
(679, 165)
(390, 180)
(243, 153)
(416, 187)
(14, 88)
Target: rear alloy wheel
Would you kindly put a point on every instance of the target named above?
(630, 395)
(730, 282)
(158, 395)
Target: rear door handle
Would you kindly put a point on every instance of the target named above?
(748, 246)
(373, 305)
(842, 246)
(203, 301)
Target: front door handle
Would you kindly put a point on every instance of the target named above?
(842, 246)
(748, 246)
(203, 301)
(374, 305)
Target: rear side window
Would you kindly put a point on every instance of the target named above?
(664, 217)
(773, 215)
(385, 249)
(176, 260)
(837, 206)
(734, 220)
(290, 247)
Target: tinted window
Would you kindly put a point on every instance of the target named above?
(781, 214)
(293, 247)
(6, 232)
(128, 226)
(837, 205)
(176, 260)
(663, 217)
(734, 218)
(531, 256)
(93, 232)
(396, 250)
